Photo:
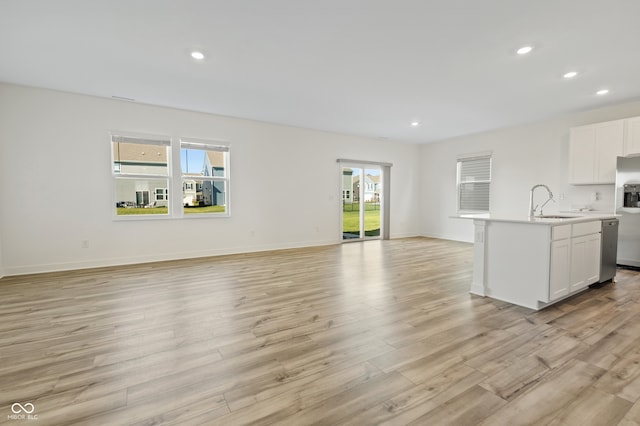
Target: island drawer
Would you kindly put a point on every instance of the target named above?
(586, 228)
(560, 232)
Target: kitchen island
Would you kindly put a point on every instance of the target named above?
(535, 262)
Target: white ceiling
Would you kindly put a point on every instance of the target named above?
(362, 67)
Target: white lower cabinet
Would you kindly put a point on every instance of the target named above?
(594, 256)
(533, 263)
(559, 269)
(578, 276)
(575, 260)
(585, 261)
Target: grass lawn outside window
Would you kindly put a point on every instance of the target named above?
(123, 211)
(351, 219)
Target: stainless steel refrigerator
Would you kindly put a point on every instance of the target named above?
(628, 207)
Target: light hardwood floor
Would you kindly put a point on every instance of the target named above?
(382, 332)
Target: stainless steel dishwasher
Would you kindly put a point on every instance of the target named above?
(609, 250)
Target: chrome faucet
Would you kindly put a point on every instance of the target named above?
(532, 210)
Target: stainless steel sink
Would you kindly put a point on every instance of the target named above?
(555, 216)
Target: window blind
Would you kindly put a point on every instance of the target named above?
(140, 140)
(205, 147)
(474, 183)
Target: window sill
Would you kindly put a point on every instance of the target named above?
(136, 218)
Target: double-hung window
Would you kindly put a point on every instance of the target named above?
(474, 182)
(153, 177)
(205, 177)
(141, 173)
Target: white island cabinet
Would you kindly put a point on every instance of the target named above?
(535, 262)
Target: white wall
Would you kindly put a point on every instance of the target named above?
(4, 195)
(56, 184)
(1, 262)
(522, 157)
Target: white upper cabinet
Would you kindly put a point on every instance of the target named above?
(632, 136)
(582, 155)
(593, 150)
(609, 146)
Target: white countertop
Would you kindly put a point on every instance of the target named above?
(580, 212)
(573, 217)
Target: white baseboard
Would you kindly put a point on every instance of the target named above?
(132, 260)
(399, 236)
(446, 237)
(477, 289)
(120, 261)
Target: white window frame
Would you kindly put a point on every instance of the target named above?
(385, 176)
(209, 145)
(116, 173)
(460, 185)
(173, 178)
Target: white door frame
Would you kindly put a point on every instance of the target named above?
(385, 172)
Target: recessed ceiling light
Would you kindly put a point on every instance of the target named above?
(197, 55)
(524, 50)
(570, 74)
(602, 92)
(415, 123)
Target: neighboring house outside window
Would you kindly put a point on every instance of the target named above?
(191, 197)
(209, 177)
(213, 191)
(347, 184)
(141, 169)
(371, 188)
(162, 194)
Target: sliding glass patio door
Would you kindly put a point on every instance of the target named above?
(362, 201)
